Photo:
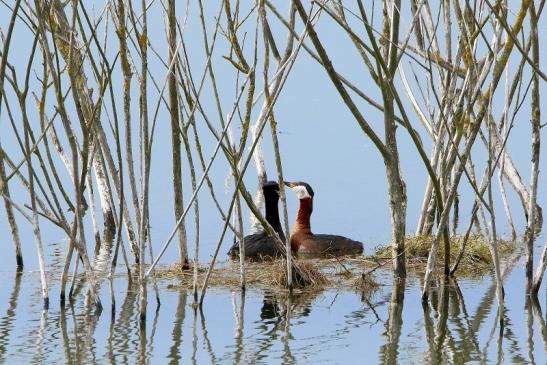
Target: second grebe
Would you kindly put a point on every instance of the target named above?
(260, 245)
(302, 238)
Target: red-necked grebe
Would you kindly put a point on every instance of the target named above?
(260, 245)
(306, 242)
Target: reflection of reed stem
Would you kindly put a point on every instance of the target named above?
(6, 322)
(529, 330)
(239, 354)
(176, 334)
(394, 323)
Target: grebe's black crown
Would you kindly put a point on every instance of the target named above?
(272, 186)
(301, 183)
(308, 188)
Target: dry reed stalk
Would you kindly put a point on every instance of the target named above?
(121, 31)
(175, 130)
(533, 227)
(269, 42)
(145, 162)
(4, 189)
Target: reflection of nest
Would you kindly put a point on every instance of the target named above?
(367, 282)
(279, 303)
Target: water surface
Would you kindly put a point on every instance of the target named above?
(460, 325)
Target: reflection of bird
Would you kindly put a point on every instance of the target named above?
(283, 305)
(260, 245)
(302, 238)
(270, 308)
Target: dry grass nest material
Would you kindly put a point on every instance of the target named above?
(477, 258)
(265, 274)
(343, 272)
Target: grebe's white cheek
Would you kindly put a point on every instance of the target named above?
(301, 192)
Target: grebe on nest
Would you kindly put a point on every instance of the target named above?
(306, 242)
(260, 245)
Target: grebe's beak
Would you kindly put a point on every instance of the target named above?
(289, 184)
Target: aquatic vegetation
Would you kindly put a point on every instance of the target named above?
(476, 260)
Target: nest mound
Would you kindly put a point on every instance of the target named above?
(352, 273)
(476, 260)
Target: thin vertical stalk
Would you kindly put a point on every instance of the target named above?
(145, 163)
(238, 216)
(396, 185)
(493, 239)
(536, 140)
(94, 223)
(175, 131)
(502, 165)
(531, 226)
(128, 131)
(243, 281)
(4, 189)
(184, 134)
(273, 128)
(35, 224)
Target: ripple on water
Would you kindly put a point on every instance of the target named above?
(335, 326)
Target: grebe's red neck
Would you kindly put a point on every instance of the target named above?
(303, 215)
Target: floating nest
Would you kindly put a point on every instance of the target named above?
(267, 274)
(272, 274)
(352, 273)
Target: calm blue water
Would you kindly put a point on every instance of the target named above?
(324, 326)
